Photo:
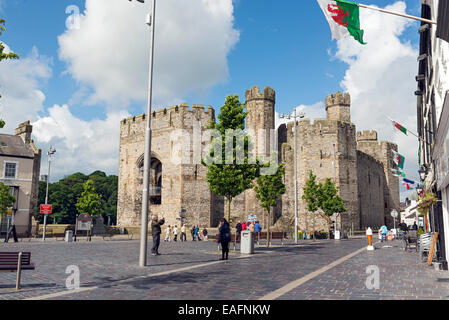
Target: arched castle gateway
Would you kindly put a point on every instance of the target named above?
(330, 147)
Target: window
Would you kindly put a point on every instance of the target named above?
(10, 170)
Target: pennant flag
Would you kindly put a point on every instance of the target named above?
(409, 181)
(405, 184)
(398, 173)
(344, 19)
(399, 127)
(398, 159)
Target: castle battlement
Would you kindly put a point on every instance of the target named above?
(367, 135)
(200, 111)
(254, 93)
(338, 99)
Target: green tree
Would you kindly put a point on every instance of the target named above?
(6, 200)
(311, 194)
(230, 177)
(90, 201)
(268, 190)
(329, 202)
(5, 56)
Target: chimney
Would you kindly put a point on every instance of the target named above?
(24, 131)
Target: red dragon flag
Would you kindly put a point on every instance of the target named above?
(344, 19)
(398, 159)
(398, 126)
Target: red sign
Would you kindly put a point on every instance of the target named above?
(46, 208)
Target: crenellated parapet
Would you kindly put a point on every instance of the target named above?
(338, 99)
(254, 93)
(367, 135)
(181, 116)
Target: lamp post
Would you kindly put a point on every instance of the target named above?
(49, 154)
(147, 155)
(288, 117)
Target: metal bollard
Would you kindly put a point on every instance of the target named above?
(19, 271)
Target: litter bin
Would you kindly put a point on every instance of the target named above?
(69, 236)
(247, 242)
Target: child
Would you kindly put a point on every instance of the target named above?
(167, 234)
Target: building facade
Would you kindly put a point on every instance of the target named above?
(330, 147)
(19, 169)
(433, 117)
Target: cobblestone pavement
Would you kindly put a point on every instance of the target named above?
(191, 270)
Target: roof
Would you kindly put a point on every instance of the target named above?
(14, 146)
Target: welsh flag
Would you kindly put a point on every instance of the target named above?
(407, 185)
(398, 159)
(400, 127)
(344, 19)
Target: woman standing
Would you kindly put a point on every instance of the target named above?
(224, 237)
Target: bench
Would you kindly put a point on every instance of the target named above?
(15, 262)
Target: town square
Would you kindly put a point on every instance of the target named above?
(314, 168)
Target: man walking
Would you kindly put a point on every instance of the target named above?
(183, 233)
(156, 233)
(175, 233)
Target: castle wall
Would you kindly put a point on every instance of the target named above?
(371, 184)
(183, 177)
(382, 152)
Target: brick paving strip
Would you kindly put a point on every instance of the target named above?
(292, 285)
(80, 290)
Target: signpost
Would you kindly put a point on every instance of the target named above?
(45, 209)
(394, 214)
(83, 222)
(252, 218)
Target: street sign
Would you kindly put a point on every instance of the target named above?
(394, 213)
(252, 217)
(46, 208)
(84, 222)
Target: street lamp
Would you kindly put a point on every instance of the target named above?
(288, 117)
(49, 154)
(422, 173)
(147, 156)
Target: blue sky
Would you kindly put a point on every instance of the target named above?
(283, 44)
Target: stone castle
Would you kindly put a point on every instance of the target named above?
(358, 163)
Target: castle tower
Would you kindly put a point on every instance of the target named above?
(260, 119)
(260, 126)
(338, 107)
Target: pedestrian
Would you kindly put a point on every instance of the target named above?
(251, 227)
(224, 237)
(167, 234)
(415, 226)
(175, 233)
(257, 229)
(205, 234)
(156, 233)
(238, 231)
(243, 226)
(183, 233)
(197, 235)
(193, 233)
(384, 231)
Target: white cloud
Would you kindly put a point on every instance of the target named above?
(381, 79)
(109, 52)
(21, 83)
(81, 146)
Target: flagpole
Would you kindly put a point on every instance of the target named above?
(397, 14)
(414, 134)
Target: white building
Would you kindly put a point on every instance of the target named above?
(433, 116)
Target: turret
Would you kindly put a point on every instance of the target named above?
(338, 107)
